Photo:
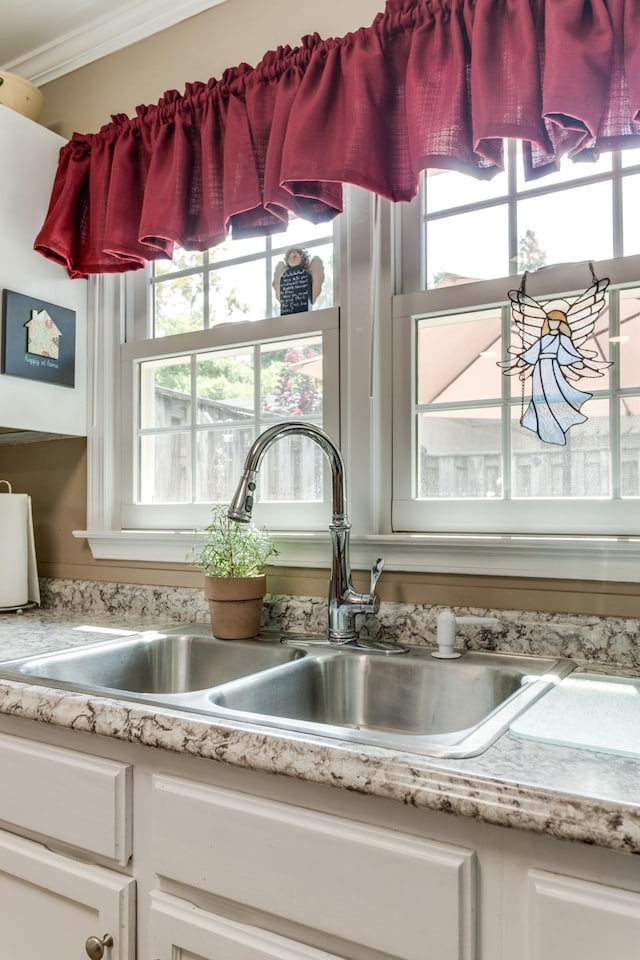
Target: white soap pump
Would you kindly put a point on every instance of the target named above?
(446, 632)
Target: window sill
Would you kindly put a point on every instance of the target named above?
(615, 559)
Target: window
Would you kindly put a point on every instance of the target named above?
(209, 363)
(414, 496)
(232, 283)
(465, 463)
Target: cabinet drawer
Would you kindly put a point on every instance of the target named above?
(388, 891)
(71, 797)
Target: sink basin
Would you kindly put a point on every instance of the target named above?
(396, 696)
(415, 703)
(151, 665)
(410, 702)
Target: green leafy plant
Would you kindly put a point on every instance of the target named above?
(232, 549)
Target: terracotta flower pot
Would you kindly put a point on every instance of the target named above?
(235, 605)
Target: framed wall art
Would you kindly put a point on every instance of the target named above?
(38, 340)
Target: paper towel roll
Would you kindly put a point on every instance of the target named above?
(18, 574)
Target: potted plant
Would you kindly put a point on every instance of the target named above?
(232, 559)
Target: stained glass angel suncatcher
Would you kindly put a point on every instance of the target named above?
(552, 355)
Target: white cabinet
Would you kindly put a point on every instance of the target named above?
(50, 904)
(232, 865)
(53, 900)
(571, 919)
(28, 161)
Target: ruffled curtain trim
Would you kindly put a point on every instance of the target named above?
(433, 83)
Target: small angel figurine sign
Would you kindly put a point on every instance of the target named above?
(297, 281)
(552, 354)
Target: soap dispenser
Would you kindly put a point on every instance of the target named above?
(446, 636)
(446, 632)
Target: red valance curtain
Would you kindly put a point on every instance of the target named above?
(431, 83)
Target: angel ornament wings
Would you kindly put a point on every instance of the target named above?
(297, 281)
(552, 357)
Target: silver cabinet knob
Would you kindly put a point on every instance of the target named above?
(95, 947)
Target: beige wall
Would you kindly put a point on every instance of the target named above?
(54, 472)
(199, 48)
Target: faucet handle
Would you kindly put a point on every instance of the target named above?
(376, 570)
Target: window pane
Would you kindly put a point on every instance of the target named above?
(631, 226)
(569, 171)
(467, 247)
(575, 224)
(630, 447)
(181, 260)
(459, 454)
(220, 456)
(225, 386)
(292, 470)
(457, 357)
(629, 342)
(301, 232)
(579, 468)
(291, 378)
(165, 468)
(165, 393)
(630, 157)
(178, 305)
(446, 189)
(237, 293)
(231, 249)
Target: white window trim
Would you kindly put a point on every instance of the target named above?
(367, 437)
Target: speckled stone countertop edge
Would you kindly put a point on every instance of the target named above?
(454, 787)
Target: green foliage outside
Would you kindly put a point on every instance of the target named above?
(231, 375)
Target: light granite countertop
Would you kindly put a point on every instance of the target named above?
(563, 792)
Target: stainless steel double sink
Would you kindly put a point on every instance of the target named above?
(409, 702)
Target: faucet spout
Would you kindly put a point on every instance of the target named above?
(344, 601)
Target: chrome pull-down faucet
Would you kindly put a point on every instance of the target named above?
(344, 601)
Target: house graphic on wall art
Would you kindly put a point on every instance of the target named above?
(43, 335)
(37, 339)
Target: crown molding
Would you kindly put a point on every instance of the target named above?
(119, 28)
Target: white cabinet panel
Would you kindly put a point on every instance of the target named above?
(73, 797)
(50, 905)
(402, 895)
(180, 931)
(572, 919)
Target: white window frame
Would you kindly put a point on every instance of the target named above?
(597, 516)
(148, 516)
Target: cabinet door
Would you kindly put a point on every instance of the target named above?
(387, 891)
(180, 931)
(50, 904)
(572, 919)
